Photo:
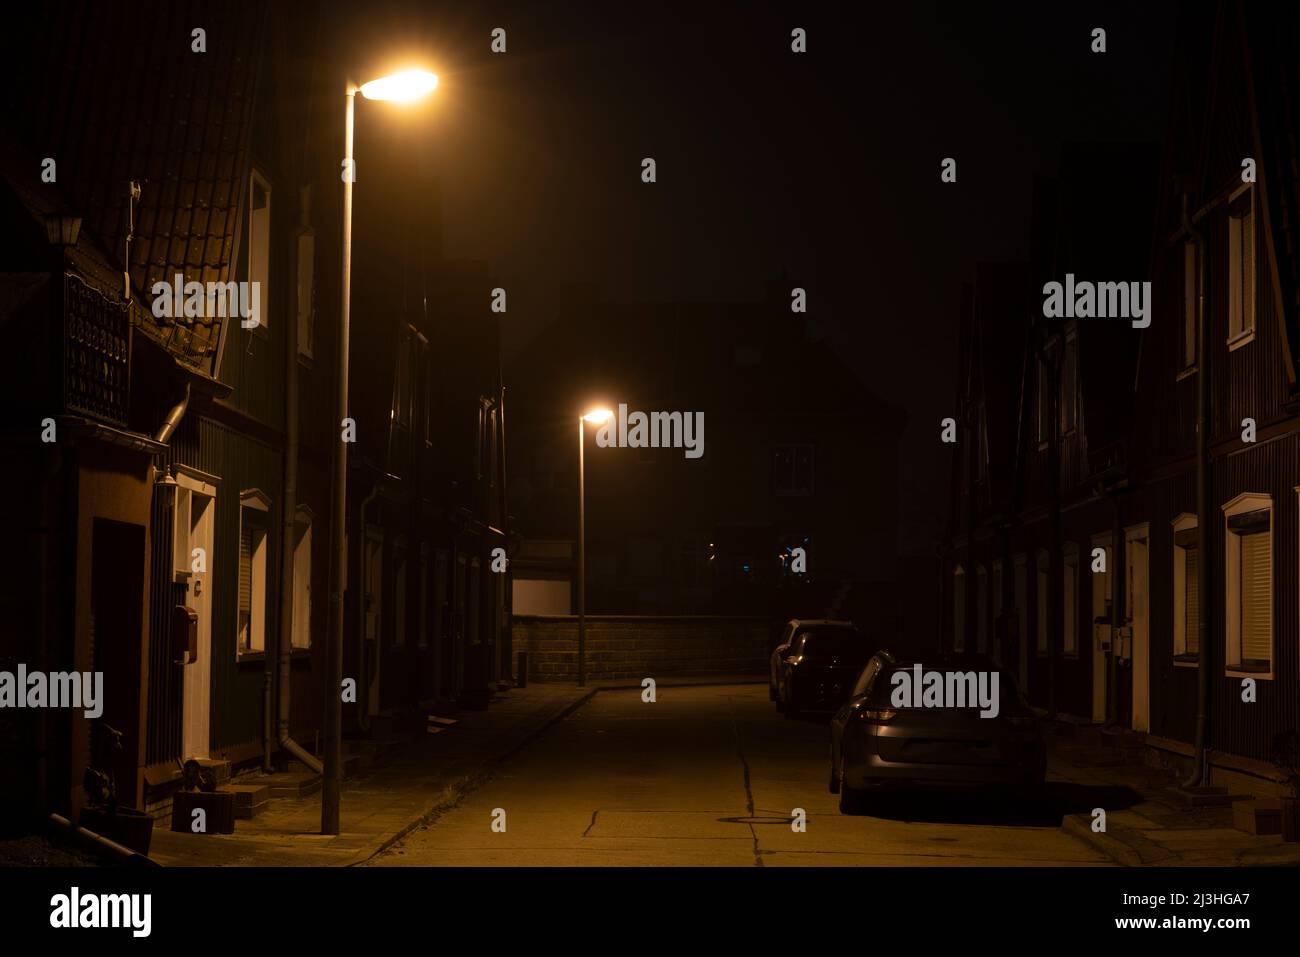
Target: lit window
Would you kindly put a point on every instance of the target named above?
(1248, 584)
(1187, 606)
(254, 523)
(259, 249)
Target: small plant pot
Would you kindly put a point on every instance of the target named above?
(126, 825)
(1291, 819)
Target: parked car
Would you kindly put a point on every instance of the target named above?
(819, 667)
(792, 629)
(881, 741)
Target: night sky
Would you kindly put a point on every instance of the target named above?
(821, 168)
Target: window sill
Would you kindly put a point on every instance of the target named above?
(1187, 661)
(241, 657)
(1241, 339)
(1249, 671)
(1186, 374)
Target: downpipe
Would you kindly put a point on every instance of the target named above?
(1200, 771)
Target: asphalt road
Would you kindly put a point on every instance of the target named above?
(709, 776)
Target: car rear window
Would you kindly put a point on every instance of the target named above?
(843, 643)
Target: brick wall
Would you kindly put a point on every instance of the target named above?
(623, 646)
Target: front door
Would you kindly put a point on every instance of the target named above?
(197, 514)
(1138, 584)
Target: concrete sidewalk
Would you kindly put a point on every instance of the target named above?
(1147, 823)
(414, 783)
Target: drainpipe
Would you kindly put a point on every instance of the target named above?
(1200, 770)
(288, 513)
(168, 428)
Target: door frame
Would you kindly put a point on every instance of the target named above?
(196, 681)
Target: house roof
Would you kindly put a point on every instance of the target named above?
(131, 100)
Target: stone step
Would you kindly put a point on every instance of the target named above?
(250, 799)
(291, 783)
(1261, 816)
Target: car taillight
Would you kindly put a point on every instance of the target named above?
(868, 715)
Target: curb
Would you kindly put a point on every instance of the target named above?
(1137, 851)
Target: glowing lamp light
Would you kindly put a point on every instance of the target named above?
(400, 87)
(597, 416)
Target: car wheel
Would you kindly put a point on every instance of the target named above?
(852, 801)
(834, 784)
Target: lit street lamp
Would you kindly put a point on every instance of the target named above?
(595, 417)
(398, 88)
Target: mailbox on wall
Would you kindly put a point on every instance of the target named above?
(185, 635)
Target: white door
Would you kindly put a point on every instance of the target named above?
(197, 687)
(1137, 613)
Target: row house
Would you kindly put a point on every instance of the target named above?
(1133, 579)
(175, 518)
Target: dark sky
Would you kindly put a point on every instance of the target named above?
(821, 167)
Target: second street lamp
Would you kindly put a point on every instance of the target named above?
(399, 88)
(595, 417)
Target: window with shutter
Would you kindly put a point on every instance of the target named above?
(1192, 603)
(1256, 599)
(1248, 585)
(245, 586)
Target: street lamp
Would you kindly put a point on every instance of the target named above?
(399, 88)
(595, 417)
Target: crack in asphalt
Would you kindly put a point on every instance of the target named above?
(749, 791)
(592, 824)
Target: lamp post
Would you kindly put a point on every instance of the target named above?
(595, 417)
(401, 88)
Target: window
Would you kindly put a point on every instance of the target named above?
(259, 248)
(1040, 642)
(982, 604)
(1044, 402)
(1187, 607)
(959, 609)
(1189, 304)
(1241, 266)
(997, 608)
(1248, 584)
(793, 469)
(305, 294)
(254, 522)
(301, 637)
(1068, 406)
(1070, 596)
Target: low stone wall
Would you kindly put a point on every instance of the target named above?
(643, 646)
